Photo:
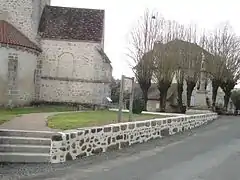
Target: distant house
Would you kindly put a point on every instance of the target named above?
(153, 103)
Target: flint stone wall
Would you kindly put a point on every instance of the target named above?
(74, 144)
(74, 72)
(17, 84)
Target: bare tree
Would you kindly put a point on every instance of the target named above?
(223, 66)
(142, 40)
(166, 58)
(231, 57)
(192, 61)
(180, 80)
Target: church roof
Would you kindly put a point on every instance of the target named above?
(11, 36)
(72, 23)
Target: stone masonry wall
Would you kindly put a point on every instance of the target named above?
(20, 14)
(79, 92)
(24, 88)
(74, 72)
(74, 144)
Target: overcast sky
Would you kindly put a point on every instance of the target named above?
(122, 14)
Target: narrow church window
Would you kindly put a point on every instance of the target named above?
(35, 76)
(12, 72)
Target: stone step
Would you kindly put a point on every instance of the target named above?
(22, 133)
(20, 148)
(24, 157)
(25, 140)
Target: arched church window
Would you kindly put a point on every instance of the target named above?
(65, 65)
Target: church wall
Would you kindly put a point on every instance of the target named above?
(80, 92)
(23, 15)
(24, 91)
(74, 72)
(3, 75)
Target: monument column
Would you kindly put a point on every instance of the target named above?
(201, 94)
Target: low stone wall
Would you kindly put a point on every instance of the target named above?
(70, 145)
(197, 111)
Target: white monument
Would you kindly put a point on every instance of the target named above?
(201, 93)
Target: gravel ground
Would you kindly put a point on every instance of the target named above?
(28, 171)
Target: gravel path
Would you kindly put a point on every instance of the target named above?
(210, 136)
(34, 121)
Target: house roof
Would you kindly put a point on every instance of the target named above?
(11, 36)
(72, 23)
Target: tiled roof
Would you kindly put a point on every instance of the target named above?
(72, 23)
(11, 36)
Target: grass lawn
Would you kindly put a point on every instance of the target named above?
(75, 120)
(8, 114)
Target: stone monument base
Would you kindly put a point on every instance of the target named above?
(201, 102)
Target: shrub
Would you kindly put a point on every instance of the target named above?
(183, 109)
(138, 106)
(220, 110)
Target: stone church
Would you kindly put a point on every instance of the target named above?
(52, 54)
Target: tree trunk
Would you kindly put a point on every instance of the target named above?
(163, 88)
(226, 100)
(180, 91)
(190, 87)
(227, 87)
(215, 86)
(162, 102)
(145, 85)
(145, 98)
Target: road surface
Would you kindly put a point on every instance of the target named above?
(208, 153)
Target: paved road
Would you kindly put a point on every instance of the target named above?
(208, 153)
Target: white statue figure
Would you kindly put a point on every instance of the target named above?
(203, 74)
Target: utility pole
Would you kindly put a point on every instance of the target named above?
(131, 100)
(121, 99)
